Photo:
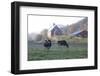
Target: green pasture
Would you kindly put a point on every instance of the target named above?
(77, 49)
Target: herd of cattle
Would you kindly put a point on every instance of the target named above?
(48, 43)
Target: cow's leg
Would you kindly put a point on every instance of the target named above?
(67, 45)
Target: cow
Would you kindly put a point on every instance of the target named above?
(47, 44)
(63, 43)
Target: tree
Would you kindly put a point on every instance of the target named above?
(44, 34)
(39, 37)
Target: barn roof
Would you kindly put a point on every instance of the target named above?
(77, 32)
(58, 26)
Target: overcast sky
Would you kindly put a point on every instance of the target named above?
(37, 23)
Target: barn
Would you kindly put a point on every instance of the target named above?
(80, 33)
(56, 31)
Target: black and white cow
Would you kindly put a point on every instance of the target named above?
(63, 43)
(47, 44)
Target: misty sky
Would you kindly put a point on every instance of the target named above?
(37, 23)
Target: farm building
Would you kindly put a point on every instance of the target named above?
(55, 30)
(78, 26)
(79, 29)
(80, 33)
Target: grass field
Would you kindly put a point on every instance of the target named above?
(76, 50)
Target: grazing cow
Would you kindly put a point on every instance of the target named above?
(47, 44)
(63, 43)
